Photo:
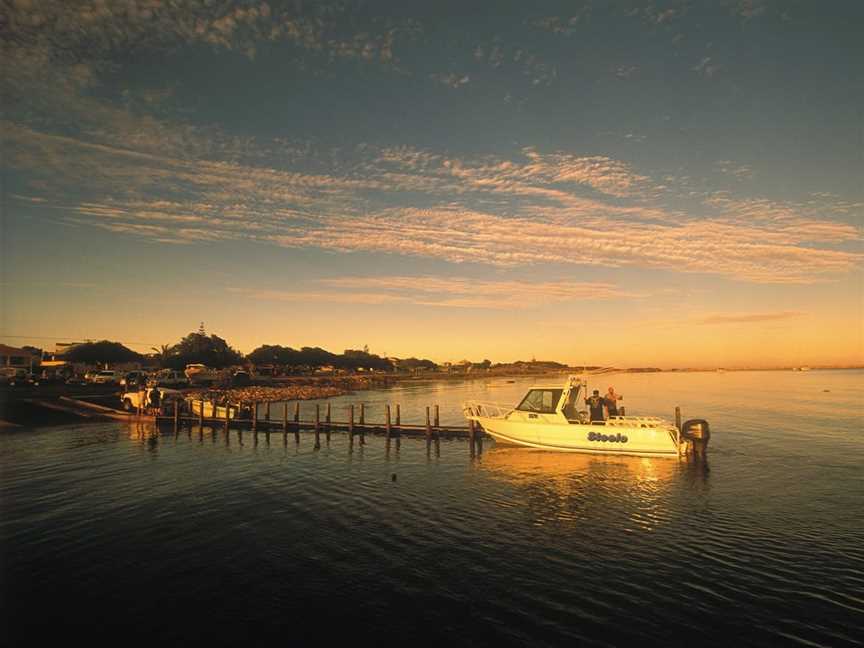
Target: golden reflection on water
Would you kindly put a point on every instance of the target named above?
(565, 487)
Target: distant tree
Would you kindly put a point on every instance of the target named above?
(199, 348)
(412, 364)
(272, 354)
(315, 357)
(101, 352)
(353, 359)
(163, 353)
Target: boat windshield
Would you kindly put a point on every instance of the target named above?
(541, 400)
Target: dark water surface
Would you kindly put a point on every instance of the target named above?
(115, 533)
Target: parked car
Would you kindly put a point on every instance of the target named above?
(169, 378)
(199, 374)
(106, 377)
(133, 379)
(48, 377)
(240, 379)
(13, 376)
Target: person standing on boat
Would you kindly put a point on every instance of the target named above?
(611, 400)
(595, 405)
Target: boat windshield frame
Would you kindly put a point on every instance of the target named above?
(556, 394)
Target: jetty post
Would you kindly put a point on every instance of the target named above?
(471, 436)
(351, 428)
(285, 423)
(176, 417)
(428, 432)
(327, 423)
(437, 433)
(297, 422)
(255, 417)
(317, 426)
(201, 415)
(362, 424)
(678, 418)
(387, 427)
(398, 427)
(267, 411)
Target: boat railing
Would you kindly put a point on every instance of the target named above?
(473, 409)
(637, 421)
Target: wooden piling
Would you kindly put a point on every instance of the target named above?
(267, 411)
(285, 421)
(351, 428)
(362, 424)
(227, 416)
(471, 436)
(398, 416)
(176, 417)
(678, 418)
(437, 418)
(297, 422)
(623, 412)
(428, 432)
(297, 412)
(327, 423)
(201, 414)
(387, 428)
(254, 416)
(317, 426)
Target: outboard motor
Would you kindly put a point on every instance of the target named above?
(697, 434)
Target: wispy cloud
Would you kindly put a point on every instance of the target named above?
(448, 292)
(749, 318)
(452, 80)
(542, 208)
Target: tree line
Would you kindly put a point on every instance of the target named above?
(213, 351)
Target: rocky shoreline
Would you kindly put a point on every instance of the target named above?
(292, 389)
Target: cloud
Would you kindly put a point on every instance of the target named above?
(540, 208)
(451, 80)
(749, 318)
(446, 292)
(738, 171)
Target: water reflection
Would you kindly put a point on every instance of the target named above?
(564, 487)
(524, 465)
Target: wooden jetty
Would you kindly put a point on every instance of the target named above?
(194, 414)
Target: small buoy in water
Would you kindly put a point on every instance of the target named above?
(393, 477)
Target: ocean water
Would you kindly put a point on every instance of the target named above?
(121, 533)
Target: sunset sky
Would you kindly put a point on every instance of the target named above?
(618, 183)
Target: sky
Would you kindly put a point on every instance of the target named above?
(617, 183)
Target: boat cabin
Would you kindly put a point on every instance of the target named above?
(553, 400)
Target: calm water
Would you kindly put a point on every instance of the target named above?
(115, 533)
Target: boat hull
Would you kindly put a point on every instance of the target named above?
(613, 438)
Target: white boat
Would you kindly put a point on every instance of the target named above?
(211, 409)
(551, 418)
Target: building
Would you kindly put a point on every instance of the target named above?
(18, 358)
